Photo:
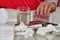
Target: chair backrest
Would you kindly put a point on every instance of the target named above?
(58, 4)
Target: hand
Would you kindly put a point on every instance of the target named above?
(46, 7)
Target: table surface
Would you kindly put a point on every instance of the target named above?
(35, 37)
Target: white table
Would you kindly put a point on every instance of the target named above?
(6, 31)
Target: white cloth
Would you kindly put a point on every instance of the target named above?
(21, 27)
(6, 32)
(28, 33)
(3, 16)
(24, 30)
(44, 30)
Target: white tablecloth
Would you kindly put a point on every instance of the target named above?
(6, 32)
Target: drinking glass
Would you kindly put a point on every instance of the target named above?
(23, 15)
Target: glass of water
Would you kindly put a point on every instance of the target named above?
(23, 15)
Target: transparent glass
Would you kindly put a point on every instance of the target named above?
(26, 15)
(23, 15)
(41, 17)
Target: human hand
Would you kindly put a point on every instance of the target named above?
(46, 7)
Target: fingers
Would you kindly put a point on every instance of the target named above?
(38, 9)
(46, 8)
(51, 8)
(42, 8)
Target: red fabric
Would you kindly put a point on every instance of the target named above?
(34, 23)
(20, 3)
(32, 4)
(58, 4)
